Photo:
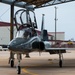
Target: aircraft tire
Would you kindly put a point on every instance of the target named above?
(18, 69)
(60, 63)
(11, 63)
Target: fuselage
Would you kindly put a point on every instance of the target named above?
(27, 40)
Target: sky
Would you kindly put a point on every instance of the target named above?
(65, 16)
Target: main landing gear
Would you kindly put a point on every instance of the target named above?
(11, 59)
(12, 62)
(60, 59)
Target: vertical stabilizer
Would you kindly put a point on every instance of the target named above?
(44, 34)
(42, 27)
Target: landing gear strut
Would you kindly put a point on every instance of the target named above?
(60, 59)
(11, 59)
(18, 66)
(18, 69)
(12, 63)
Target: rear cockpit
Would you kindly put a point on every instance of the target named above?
(25, 19)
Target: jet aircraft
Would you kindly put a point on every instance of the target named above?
(27, 38)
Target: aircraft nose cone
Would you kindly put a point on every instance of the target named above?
(9, 47)
(16, 44)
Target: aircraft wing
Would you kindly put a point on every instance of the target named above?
(58, 50)
(49, 49)
(3, 48)
(54, 49)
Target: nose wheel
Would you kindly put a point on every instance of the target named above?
(12, 63)
(18, 69)
(18, 66)
(60, 63)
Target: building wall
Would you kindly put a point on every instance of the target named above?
(5, 34)
(59, 35)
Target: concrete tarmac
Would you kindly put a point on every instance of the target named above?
(45, 64)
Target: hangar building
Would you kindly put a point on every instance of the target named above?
(5, 33)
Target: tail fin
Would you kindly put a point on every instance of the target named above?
(42, 27)
(44, 35)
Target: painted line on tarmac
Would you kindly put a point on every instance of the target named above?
(24, 70)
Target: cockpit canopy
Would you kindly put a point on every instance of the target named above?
(26, 33)
(25, 18)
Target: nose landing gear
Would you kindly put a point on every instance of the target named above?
(18, 66)
(60, 59)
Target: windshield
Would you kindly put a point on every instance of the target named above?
(23, 34)
(26, 33)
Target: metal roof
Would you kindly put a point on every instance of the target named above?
(36, 3)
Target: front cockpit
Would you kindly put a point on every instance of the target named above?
(26, 33)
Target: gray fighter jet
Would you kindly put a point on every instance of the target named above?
(28, 39)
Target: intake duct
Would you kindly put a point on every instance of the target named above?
(38, 45)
